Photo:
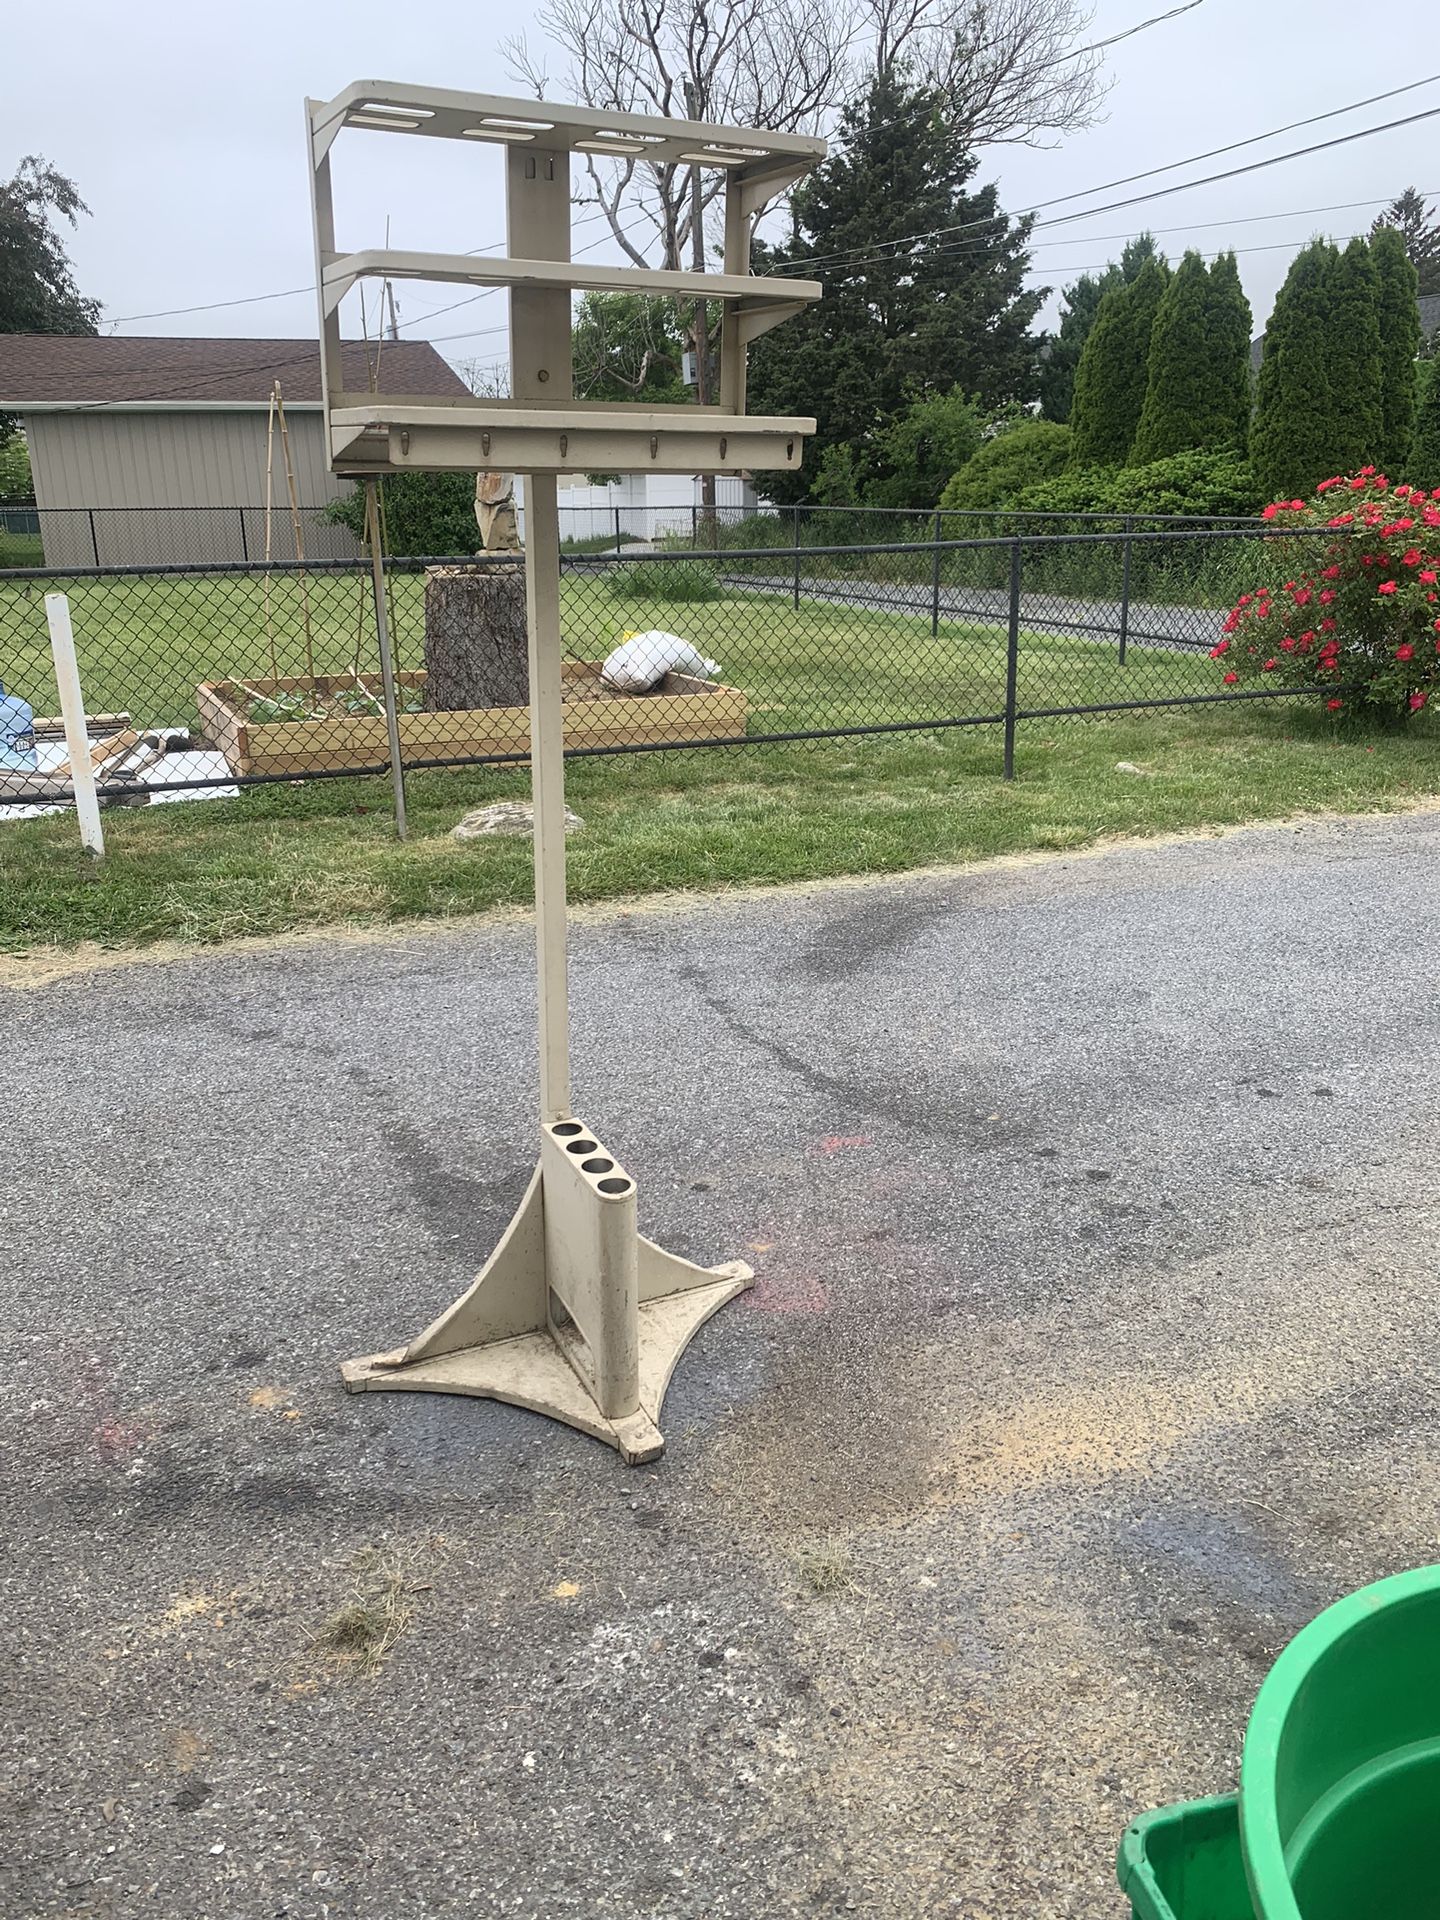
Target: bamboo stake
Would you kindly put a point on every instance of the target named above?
(299, 537)
(269, 515)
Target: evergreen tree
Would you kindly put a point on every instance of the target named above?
(1111, 378)
(1082, 304)
(1177, 413)
(1423, 466)
(1398, 312)
(1352, 362)
(901, 317)
(1420, 231)
(1228, 347)
(1290, 437)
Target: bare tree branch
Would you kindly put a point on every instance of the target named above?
(781, 64)
(1008, 69)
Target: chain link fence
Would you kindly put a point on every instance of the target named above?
(213, 676)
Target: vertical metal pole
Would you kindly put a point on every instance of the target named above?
(77, 737)
(795, 512)
(1125, 592)
(387, 664)
(547, 789)
(244, 543)
(1012, 661)
(935, 584)
(94, 543)
(617, 529)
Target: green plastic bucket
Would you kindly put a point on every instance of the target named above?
(1184, 1863)
(1340, 1778)
(1338, 1814)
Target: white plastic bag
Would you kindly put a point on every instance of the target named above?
(642, 660)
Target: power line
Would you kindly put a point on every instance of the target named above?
(866, 256)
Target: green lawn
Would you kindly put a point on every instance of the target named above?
(280, 858)
(323, 854)
(145, 642)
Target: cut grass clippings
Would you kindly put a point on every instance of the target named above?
(360, 1634)
(284, 858)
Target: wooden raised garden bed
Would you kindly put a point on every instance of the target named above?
(679, 709)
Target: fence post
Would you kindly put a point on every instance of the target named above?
(1012, 661)
(77, 737)
(617, 529)
(935, 584)
(1125, 592)
(244, 543)
(94, 543)
(387, 664)
(795, 531)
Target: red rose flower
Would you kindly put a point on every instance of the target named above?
(1325, 485)
(1386, 586)
(1245, 599)
(1333, 706)
(1427, 574)
(1231, 678)
(1286, 646)
(1271, 511)
(1327, 626)
(1270, 666)
(1215, 652)
(1407, 652)
(1357, 485)
(1330, 573)
(1327, 596)
(1411, 557)
(1367, 471)
(1302, 598)
(1417, 700)
(1342, 520)
(1402, 493)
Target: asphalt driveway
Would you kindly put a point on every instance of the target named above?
(1092, 1352)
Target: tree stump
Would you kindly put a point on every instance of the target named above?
(475, 645)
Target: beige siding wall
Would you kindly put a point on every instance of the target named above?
(103, 461)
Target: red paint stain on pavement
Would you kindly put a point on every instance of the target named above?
(787, 1293)
(840, 1142)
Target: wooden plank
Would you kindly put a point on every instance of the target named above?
(687, 709)
(754, 291)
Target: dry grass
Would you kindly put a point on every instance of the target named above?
(361, 1634)
(825, 1567)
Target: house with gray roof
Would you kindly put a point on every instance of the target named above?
(153, 450)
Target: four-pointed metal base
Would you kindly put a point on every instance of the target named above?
(575, 1314)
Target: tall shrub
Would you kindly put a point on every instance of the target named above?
(1290, 437)
(1398, 312)
(1423, 463)
(1228, 328)
(1111, 379)
(1352, 367)
(1197, 393)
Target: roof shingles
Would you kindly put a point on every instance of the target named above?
(89, 370)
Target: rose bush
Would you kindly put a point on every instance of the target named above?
(1354, 611)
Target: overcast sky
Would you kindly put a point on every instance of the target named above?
(182, 127)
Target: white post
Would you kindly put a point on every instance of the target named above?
(547, 789)
(77, 738)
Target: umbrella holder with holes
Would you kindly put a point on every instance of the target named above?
(576, 1313)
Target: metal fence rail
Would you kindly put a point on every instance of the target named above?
(185, 536)
(222, 675)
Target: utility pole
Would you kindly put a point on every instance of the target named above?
(701, 331)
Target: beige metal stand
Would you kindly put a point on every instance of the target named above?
(575, 1314)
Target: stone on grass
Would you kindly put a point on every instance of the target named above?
(505, 817)
(1129, 766)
